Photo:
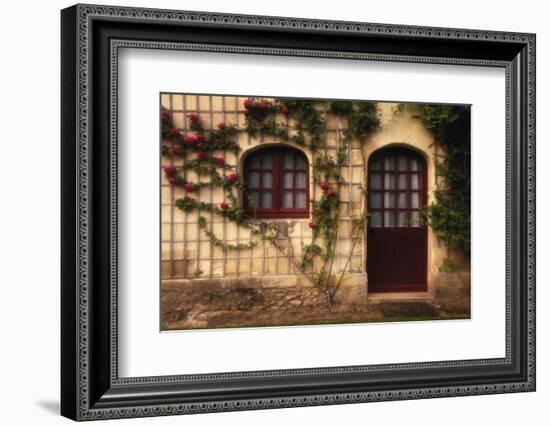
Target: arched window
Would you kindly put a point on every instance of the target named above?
(276, 183)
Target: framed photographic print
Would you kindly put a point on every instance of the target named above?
(265, 212)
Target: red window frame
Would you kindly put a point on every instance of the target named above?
(277, 169)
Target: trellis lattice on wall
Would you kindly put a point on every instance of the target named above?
(186, 252)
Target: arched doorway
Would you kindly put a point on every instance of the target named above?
(397, 240)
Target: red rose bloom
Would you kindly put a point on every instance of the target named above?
(248, 103)
(222, 126)
(190, 140)
(284, 110)
(165, 116)
(324, 186)
(330, 193)
(312, 225)
(219, 160)
(189, 187)
(202, 155)
(193, 117)
(169, 170)
(265, 105)
(174, 151)
(199, 138)
(172, 181)
(174, 132)
(224, 205)
(233, 177)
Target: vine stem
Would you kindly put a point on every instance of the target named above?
(337, 286)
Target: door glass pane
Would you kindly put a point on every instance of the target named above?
(266, 181)
(416, 181)
(389, 218)
(415, 219)
(288, 180)
(402, 200)
(389, 181)
(254, 201)
(266, 200)
(375, 200)
(288, 199)
(375, 219)
(403, 181)
(300, 200)
(254, 180)
(375, 165)
(376, 181)
(402, 163)
(389, 163)
(415, 200)
(389, 200)
(402, 219)
(300, 180)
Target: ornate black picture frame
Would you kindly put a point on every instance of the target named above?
(91, 37)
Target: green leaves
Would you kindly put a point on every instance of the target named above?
(363, 120)
(449, 216)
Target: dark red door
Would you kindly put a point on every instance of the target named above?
(397, 238)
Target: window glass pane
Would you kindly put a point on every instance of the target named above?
(414, 165)
(389, 200)
(266, 180)
(301, 180)
(288, 160)
(375, 219)
(266, 199)
(415, 200)
(288, 180)
(300, 200)
(300, 162)
(389, 163)
(415, 219)
(389, 181)
(403, 181)
(254, 162)
(288, 199)
(267, 161)
(254, 201)
(254, 180)
(402, 219)
(416, 181)
(402, 163)
(402, 200)
(375, 200)
(389, 218)
(375, 165)
(376, 181)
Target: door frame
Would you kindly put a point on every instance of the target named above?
(429, 179)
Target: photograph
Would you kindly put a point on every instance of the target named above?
(279, 211)
(267, 207)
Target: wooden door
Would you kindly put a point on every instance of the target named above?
(397, 249)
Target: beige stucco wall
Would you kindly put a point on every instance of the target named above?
(186, 251)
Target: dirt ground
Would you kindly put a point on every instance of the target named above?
(309, 315)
